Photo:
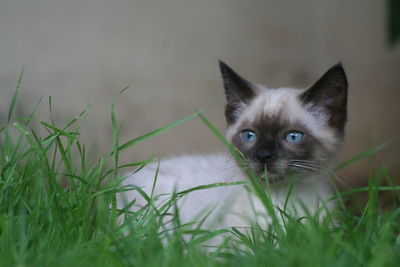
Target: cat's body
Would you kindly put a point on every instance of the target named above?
(228, 205)
(291, 134)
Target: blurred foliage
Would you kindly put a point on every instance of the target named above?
(393, 21)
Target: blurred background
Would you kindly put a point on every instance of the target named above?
(79, 51)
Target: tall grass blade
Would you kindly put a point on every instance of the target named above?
(163, 129)
(261, 192)
(362, 156)
(15, 95)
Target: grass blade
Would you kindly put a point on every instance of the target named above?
(165, 128)
(361, 156)
(15, 95)
(208, 186)
(259, 190)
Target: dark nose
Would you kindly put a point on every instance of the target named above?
(264, 155)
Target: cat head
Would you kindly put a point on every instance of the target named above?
(286, 131)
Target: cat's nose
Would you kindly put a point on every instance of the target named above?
(263, 155)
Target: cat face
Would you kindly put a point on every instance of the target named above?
(286, 131)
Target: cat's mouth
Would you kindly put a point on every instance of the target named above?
(273, 172)
(272, 178)
(279, 172)
(269, 172)
(284, 170)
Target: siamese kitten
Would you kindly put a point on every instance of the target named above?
(291, 134)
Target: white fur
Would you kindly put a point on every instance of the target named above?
(229, 205)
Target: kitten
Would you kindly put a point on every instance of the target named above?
(286, 135)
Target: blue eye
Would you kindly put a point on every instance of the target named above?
(248, 136)
(294, 137)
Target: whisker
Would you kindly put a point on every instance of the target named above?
(294, 166)
(327, 169)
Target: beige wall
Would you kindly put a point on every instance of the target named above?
(78, 51)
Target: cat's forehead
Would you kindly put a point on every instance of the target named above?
(282, 105)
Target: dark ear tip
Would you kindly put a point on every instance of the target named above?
(338, 66)
(223, 66)
(338, 70)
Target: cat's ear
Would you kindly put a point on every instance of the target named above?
(329, 96)
(238, 91)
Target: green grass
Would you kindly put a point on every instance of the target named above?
(57, 210)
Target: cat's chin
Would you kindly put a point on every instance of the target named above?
(278, 177)
(263, 174)
(272, 178)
